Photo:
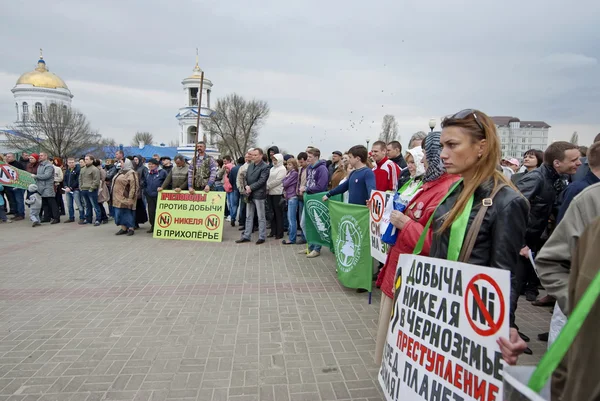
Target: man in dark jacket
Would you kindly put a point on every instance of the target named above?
(541, 187)
(71, 183)
(16, 196)
(256, 192)
(154, 180)
(394, 153)
(317, 180)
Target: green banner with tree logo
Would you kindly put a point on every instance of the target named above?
(352, 243)
(316, 219)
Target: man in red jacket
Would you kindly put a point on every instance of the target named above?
(386, 171)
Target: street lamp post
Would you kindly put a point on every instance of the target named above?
(432, 124)
(368, 140)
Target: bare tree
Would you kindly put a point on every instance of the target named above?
(389, 129)
(574, 138)
(173, 144)
(140, 137)
(235, 124)
(57, 130)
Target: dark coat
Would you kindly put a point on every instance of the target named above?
(256, 178)
(153, 182)
(71, 179)
(500, 237)
(538, 187)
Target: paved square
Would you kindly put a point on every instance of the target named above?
(86, 315)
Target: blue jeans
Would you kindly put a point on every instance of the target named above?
(233, 199)
(311, 247)
(75, 196)
(19, 195)
(90, 198)
(291, 215)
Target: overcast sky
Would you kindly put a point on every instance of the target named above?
(320, 65)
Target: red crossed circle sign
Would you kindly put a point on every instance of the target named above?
(376, 201)
(493, 325)
(8, 175)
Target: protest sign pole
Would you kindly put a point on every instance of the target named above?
(197, 121)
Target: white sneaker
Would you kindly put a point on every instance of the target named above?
(6, 221)
(313, 254)
(228, 218)
(304, 251)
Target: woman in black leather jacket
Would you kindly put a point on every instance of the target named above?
(471, 148)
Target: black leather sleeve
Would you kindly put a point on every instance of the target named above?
(508, 237)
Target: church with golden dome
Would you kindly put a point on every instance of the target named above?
(38, 89)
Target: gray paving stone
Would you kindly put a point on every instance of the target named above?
(147, 320)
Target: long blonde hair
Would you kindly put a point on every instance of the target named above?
(479, 126)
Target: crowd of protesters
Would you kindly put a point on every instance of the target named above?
(517, 212)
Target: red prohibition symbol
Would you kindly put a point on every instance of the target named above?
(481, 309)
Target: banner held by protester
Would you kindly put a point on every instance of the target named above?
(378, 222)
(185, 216)
(317, 221)
(445, 321)
(13, 177)
(350, 236)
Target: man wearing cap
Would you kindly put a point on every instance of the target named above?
(154, 181)
(336, 161)
(513, 164)
(166, 164)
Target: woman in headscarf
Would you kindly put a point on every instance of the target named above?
(414, 160)
(411, 223)
(140, 209)
(125, 190)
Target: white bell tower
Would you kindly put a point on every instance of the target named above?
(188, 114)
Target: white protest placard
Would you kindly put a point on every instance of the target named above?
(378, 222)
(441, 342)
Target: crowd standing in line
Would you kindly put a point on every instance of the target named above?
(516, 211)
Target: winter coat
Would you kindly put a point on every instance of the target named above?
(125, 188)
(154, 180)
(58, 175)
(177, 178)
(290, 182)
(241, 177)
(577, 367)
(32, 167)
(537, 187)
(233, 174)
(337, 176)
(45, 179)
(276, 175)
(501, 235)
(103, 194)
(573, 190)
(89, 178)
(256, 179)
(553, 262)
(419, 210)
(71, 179)
(142, 172)
(34, 201)
(317, 177)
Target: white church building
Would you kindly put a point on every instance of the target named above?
(188, 113)
(33, 92)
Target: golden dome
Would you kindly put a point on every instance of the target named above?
(41, 77)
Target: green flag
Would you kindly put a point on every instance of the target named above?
(351, 240)
(14, 177)
(316, 219)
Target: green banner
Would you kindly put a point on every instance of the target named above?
(14, 177)
(316, 218)
(352, 242)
